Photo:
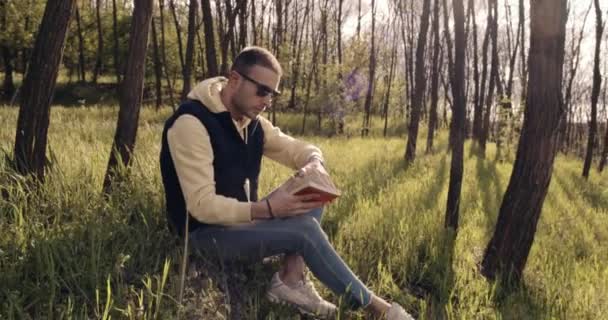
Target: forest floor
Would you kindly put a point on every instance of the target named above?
(68, 252)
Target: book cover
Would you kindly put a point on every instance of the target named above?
(313, 182)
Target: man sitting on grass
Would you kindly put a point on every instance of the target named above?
(212, 148)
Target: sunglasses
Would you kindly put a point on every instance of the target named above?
(262, 90)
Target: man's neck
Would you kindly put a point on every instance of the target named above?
(225, 98)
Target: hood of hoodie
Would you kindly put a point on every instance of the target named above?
(207, 92)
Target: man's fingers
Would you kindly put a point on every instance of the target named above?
(311, 205)
(308, 197)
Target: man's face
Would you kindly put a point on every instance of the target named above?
(254, 91)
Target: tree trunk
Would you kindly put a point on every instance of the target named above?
(458, 118)
(595, 91)
(163, 51)
(38, 88)
(420, 83)
(508, 250)
(187, 71)
(477, 106)
(522, 49)
(130, 93)
(99, 60)
(339, 31)
(81, 61)
(178, 31)
(158, 69)
(434, 79)
(493, 25)
(8, 86)
(210, 54)
(116, 53)
(369, 97)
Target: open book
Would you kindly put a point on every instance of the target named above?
(313, 182)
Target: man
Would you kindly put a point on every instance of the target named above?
(211, 154)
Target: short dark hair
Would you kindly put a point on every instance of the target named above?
(253, 55)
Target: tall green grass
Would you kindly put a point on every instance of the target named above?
(67, 252)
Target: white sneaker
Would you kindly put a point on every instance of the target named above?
(396, 312)
(304, 296)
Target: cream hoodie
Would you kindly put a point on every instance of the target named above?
(192, 156)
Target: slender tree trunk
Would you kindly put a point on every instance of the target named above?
(339, 31)
(8, 86)
(187, 71)
(131, 91)
(99, 60)
(81, 61)
(458, 119)
(210, 54)
(604, 155)
(595, 91)
(178, 31)
(508, 250)
(38, 88)
(522, 49)
(158, 69)
(412, 137)
(493, 25)
(434, 79)
(477, 96)
(298, 55)
(163, 52)
(116, 52)
(369, 97)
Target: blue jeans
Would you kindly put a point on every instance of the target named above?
(300, 234)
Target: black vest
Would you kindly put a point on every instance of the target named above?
(233, 161)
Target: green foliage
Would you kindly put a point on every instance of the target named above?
(66, 251)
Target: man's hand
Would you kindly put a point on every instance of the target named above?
(313, 164)
(284, 204)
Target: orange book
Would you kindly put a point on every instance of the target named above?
(313, 182)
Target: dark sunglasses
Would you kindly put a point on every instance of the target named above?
(263, 90)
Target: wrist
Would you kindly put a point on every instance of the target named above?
(259, 210)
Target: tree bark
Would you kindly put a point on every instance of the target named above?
(508, 250)
(210, 54)
(595, 91)
(458, 118)
(420, 83)
(158, 69)
(434, 79)
(131, 91)
(81, 61)
(38, 88)
(163, 51)
(99, 59)
(369, 96)
(115, 32)
(187, 71)
(178, 31)
(477, 106)
(493, 25)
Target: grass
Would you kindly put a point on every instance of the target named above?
(66, 252)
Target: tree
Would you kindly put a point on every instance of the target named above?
(210, 54)
(81, 61)
(420, 84)
(369, 96)
(458, 118)
(508, 250)
(187, 71)
(115, 35)
(595, 91)
(38, 88)
(435, 70)
(131, 91)
(494, 79)
(99, 60)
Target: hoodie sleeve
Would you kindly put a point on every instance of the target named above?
(192, 156)
(286, 150)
